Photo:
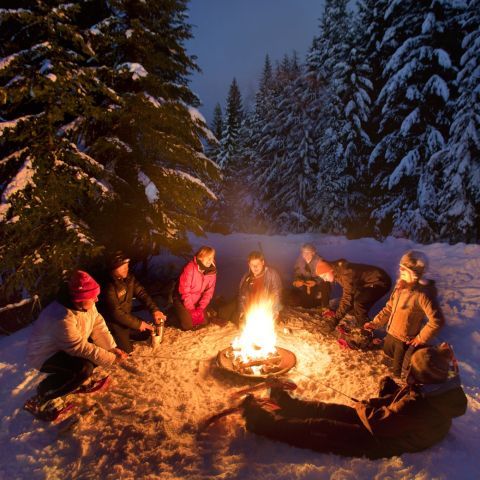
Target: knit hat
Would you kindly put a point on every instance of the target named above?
(323, 267)
(414, 261)
(83, 287)
(117, 259)
(431, 364)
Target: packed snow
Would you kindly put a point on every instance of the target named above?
(146, 424)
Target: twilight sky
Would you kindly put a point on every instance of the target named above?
(232, 37)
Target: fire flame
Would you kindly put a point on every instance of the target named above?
(258, 337)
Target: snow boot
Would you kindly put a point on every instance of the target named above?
(48, 410)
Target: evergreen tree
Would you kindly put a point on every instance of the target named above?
(51, 190)
(454, 172)
(233, 122)
(415, 104)
(153, 143)
(101, 144)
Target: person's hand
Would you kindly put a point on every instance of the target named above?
(369, 326)
(328, 313)
(415, 342)
(120, 355)
(145, 326)
(158, 316)
(310, 283)
(298, 283)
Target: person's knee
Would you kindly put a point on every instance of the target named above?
(86, 370)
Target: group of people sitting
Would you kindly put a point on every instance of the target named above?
(70, 338)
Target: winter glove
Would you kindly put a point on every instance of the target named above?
(198, 316)
(328, 313)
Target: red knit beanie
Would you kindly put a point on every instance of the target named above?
(83, 287)
(323, 267)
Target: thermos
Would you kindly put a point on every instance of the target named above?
(157, 334)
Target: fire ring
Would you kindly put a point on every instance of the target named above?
(286, 361)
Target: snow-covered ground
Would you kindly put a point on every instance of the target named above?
(145, 425)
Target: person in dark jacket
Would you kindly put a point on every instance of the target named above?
(402, 419)
(259, 283)
(362, 286)
(116, 304)
(412, 300)
(311, 291)
(194, 289)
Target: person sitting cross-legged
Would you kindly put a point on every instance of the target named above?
(402, 419)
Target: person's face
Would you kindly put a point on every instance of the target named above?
(327, 276)
(406, 274)
(208, 260)
(87, 304)
(307, 255)
(121, 271)
(256, 266)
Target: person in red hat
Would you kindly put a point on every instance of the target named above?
(116, 304)
(59, 344)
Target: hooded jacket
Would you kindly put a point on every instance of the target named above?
(415, 417)
(117, 299)
(196, 287)
(353, 277)
(272, 288)
(406, 309)
(62, 328)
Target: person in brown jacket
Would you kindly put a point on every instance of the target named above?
(402, 419)
(411, 301)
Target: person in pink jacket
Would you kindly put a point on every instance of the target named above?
(194, 289)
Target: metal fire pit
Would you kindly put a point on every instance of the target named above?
(288, 361)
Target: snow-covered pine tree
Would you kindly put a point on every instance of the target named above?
(232, 123)
(284, 176)
(51, 190)
(454, 172)
(153, 143)
(327, 66)
(415, 107)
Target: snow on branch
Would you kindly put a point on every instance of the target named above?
(77, 229)
(12, 124)
(22, 179)
(406, 167)
(151, 191)
(189, 178)
(135, 68)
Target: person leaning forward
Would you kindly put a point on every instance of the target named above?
(362, 286)
(116, 304)
(404, 419)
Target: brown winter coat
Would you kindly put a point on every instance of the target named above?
(353, 277)
(406, 310)
(413, 418)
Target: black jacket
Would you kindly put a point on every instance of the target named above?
(116, 301)
(353, 277)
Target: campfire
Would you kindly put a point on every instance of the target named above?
(254, 353)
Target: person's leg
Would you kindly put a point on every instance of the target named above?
(121, 335)
(67, 373)
(324, 435)
(294, 407)
(182, 314)
(406, 359)
(363, 301)
(399, 349)
(324, 289)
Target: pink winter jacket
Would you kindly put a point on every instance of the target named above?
(196, 288)
(59, 328)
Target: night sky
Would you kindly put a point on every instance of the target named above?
(231, 39)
